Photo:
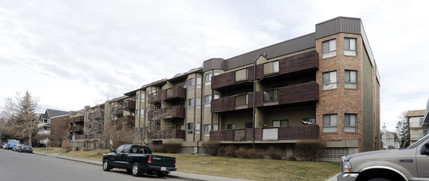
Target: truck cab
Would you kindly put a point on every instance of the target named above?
(11, 143)
(405, 164)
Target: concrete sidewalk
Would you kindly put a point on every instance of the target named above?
(178, 175)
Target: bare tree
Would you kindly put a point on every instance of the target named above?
(402, 129)
(22, 116)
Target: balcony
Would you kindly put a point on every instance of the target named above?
(117, 111)
(169, 134)
(130, 120)
(177, 93)
(299, 93)
(307, 62)
(87, 136)
(79, 136)
(173, 112)
(231, 103)
(129, 105)
(267, 134)
(237, 79)
(76, 129)
(77, 119)
(43, 125)
(96, 115)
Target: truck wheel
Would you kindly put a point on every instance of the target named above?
(106, 166)
(137, 171)
(379, 179)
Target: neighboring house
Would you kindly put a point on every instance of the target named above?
(415, 122)
(389, 139)
(320, 86)
(51, 127)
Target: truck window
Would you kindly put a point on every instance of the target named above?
(119, 150)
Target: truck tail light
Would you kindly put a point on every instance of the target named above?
(149, 160)
(174, 161)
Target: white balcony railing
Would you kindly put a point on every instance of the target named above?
(44, 132)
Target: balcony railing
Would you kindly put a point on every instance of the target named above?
(96, 115)
(267, 134)
(174, 94)
(231, 103)
(117, 111)
(173, 112)
(237, 78)
(299, 93)
(129, 105)
(169, 134)
(77, 119)
(44, 132)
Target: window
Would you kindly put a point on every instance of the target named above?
(421, 121)
(180, 127)
(138, 97)
(350, 46)
(215, 127)
(198, 103)
(199, 82)
(350, 80)
(272, 67)
(119, 150)
(208, 79)
(207, 100)
(330, 123)
(422, 133)
(271, 95)
(330, 80)
(216, 96)
(190, 128)
(350, 122)
(249, 125)
(231, 126)
(207, 129)
(191, 104)
(191, 83)
(142, 96)
(241, 75)
(280, 123)
(329, 48)
(197, 128)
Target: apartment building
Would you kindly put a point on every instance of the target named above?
(416, 126)
(76, 128)
(51, 127)
(319, 86)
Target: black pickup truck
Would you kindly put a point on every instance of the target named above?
(138, 159)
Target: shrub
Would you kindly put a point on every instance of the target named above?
(310, 150)
(211, 147)
(274, 153)
(242, 153)
(157, 148)
(292, 158)
(172, 147)
(226, 151)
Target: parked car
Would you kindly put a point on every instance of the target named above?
(138, 159)
(25, 148)
(4, 146)
(16, 147)
(11, 144)
(395, 165)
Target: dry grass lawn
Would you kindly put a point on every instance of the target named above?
(255, 169)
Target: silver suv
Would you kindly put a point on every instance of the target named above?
(410, 163)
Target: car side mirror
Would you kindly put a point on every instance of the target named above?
(425, 149)
(112, 150)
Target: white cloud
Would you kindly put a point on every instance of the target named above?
(273, 25)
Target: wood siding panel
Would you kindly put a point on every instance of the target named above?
(299, 132)
(222, 135)
(304, 61)
(223, 104)
(223, 80)
(305, 92)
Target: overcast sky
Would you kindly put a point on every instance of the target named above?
(71, 53)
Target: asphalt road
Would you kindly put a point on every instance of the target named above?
(16, 166)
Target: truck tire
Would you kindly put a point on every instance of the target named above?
(106, 165)
(136, 170)
(379, 179)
